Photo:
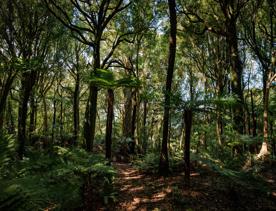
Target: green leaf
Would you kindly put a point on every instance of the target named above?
(128, 82)
(105, 79)
(102, 78)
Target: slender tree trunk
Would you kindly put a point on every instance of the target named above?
(169, 136)
(145, 137)
(27, 83)
(61, 117)
(248, 120)
(76, 108)
(54, 120)
(182, 133)
(134, 114)
(133, 124)
(109, 121)
(45, 116)
(219, 123)
(127, 123)
(152, 130)
(219, 127)
(164, 160)
(254, 121)
(137, 97)
(188, 125)
(33, 109)
(188, 116)
(264, 149)
(272, 137)
(138, 122)
(268, 77)
(127, 120)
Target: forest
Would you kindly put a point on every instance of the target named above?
(137, 105)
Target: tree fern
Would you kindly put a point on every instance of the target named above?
(7, 150)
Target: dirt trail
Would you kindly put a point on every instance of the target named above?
(138, 191)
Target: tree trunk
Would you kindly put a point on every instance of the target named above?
(91, 108)
(231, 14)
(268, 78)
(90, 118)
(151, 129)
(219, 127)
(236, 80)
(137, 103)
(219, 123)
(254, 121)
(27, 83)
(264, 149)
(164, 161)
(76, 108)
(127, 124)
(138, 123)
(272, 138)
(54, 120)
(145, 136)
(45, 116)
(248, 120)
(188, 117)
(109, 121)
(3, 98)
(33, 108)
(182, 133)
(61, 116)
(134, 114)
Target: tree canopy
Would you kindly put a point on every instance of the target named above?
(95, 91)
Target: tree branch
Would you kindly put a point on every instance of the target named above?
(69, 24)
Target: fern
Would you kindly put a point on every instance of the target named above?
(149, 163)
(247, 180)
(7, 150)
(42, 181)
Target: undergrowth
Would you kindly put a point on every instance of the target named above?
(53, 181)
(224, 164)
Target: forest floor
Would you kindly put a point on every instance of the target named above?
(208, 191)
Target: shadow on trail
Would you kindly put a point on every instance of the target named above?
(138, 191)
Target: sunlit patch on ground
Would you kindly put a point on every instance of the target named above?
(135, 189)
(195, 174)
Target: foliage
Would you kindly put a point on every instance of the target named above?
(7, 151)
(53, 181)
(54, 53)
(246, 179)
(102, 78)
(128, 82)
(106, 79)
(148, 163)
